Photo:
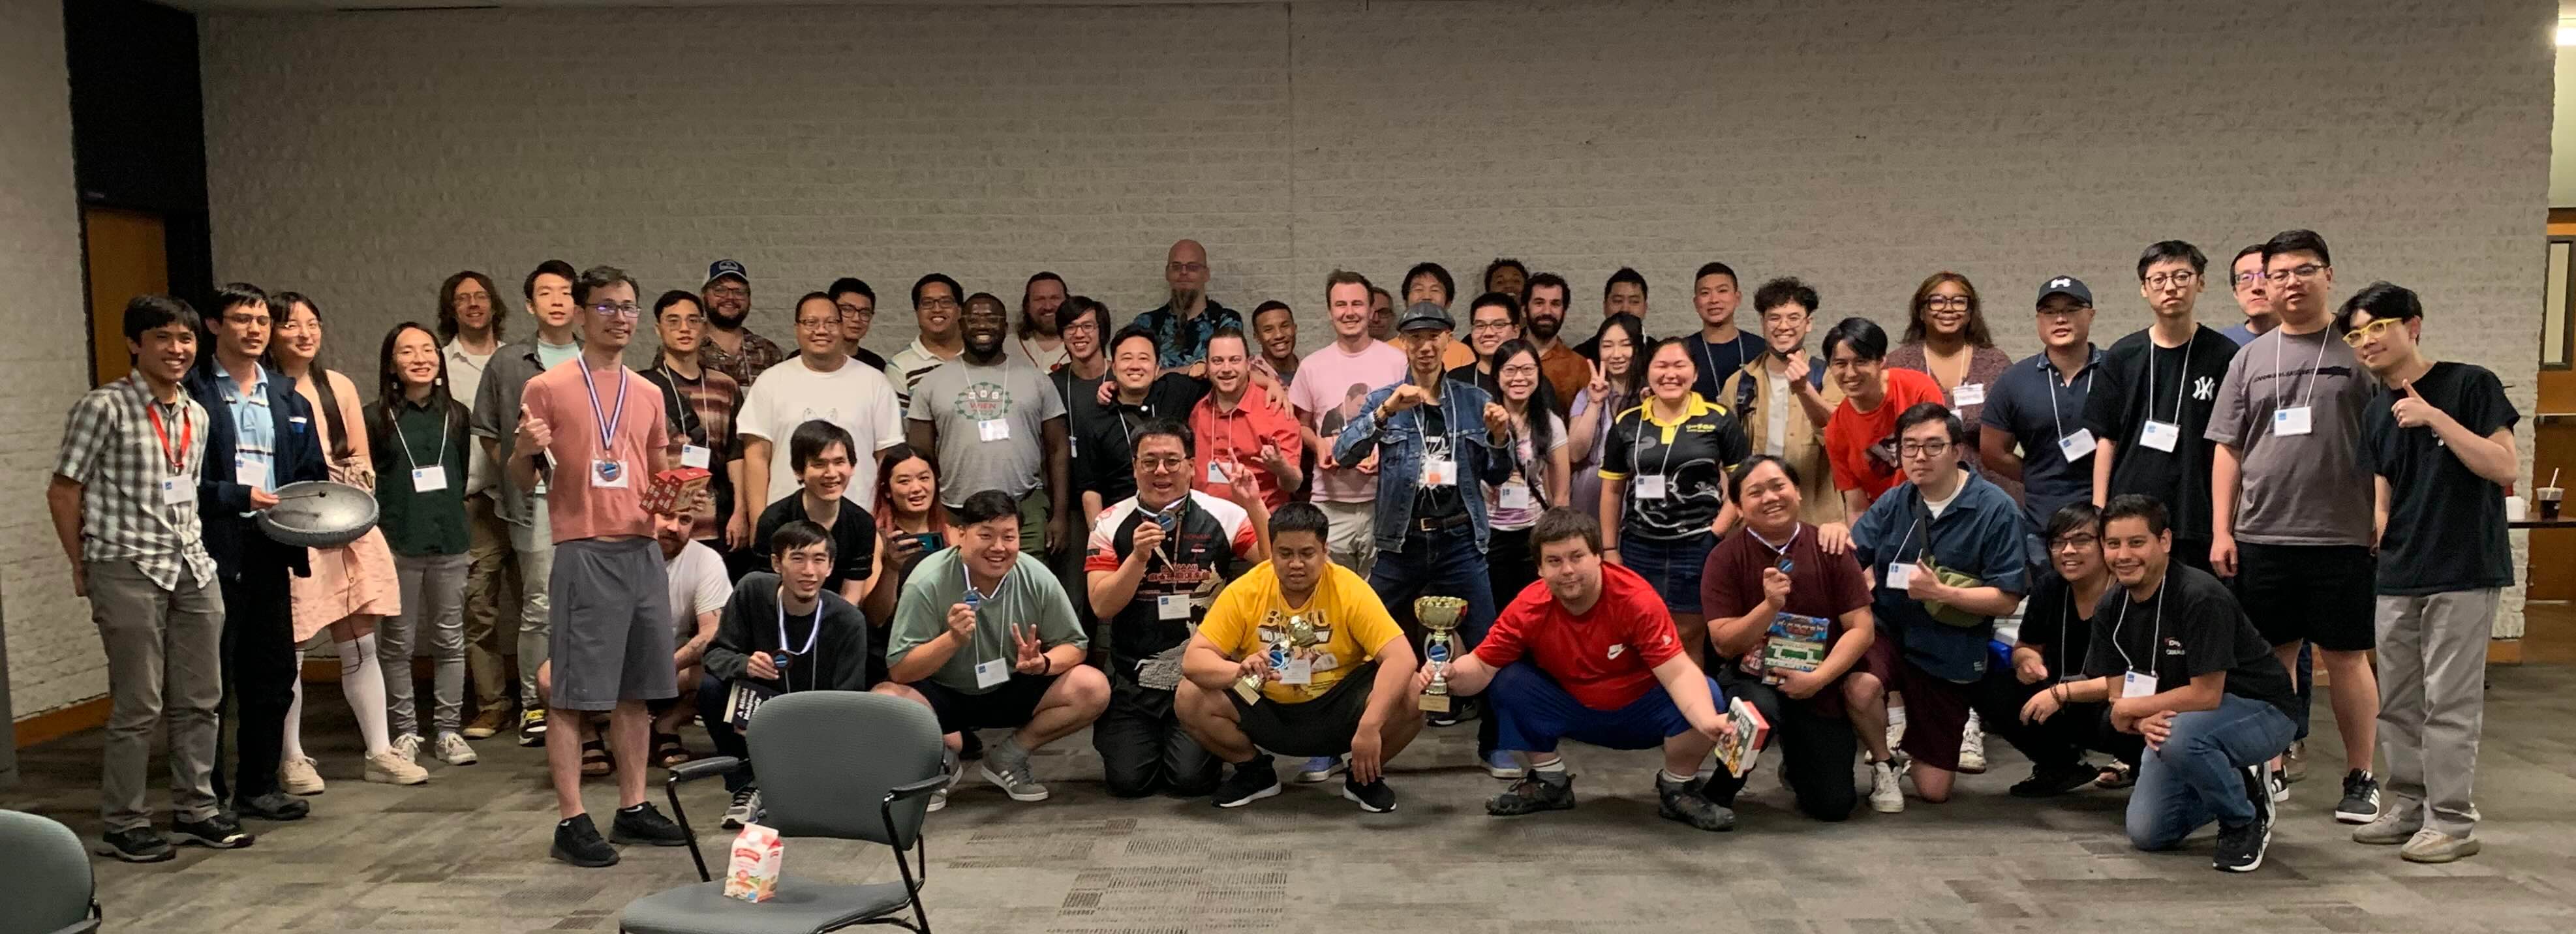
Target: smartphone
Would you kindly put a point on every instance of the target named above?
(930, 541)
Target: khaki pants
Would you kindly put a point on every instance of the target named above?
(164, 661)
(2432, 686)
(491, 582)
(1352, 540)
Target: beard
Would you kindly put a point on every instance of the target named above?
(984, 345)
(1185, 297)
(730, 323)
(1545, 328)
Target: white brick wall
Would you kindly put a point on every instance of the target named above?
(44, 362)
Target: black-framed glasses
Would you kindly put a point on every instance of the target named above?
(626, 310)
(1923, 449)
(1945, 302)
(2176, 279)
(2075, 543)
(2301, 272)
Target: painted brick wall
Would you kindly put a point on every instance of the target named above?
(54, 656)
(1858, 144)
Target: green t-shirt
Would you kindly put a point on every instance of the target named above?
(1029, 595)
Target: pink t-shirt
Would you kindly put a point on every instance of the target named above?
(580, 501)
(1328, 390)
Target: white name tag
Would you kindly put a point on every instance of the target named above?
(1172, 606)
(1516, 496)
(1650, 486)
(250, 473)
(1900, 575)
(608, 474)
(2137, 684)
(991, 673)
(2077, 446)
(694, 456)
(2291, 422)
(2162, 436)
(430, 479)
(1216, 473)
(1968, 394)
(1298, 671)
(994, 429)
(177, 491)
(1439, 471)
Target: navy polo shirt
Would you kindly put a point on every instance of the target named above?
(1980, 535)
(2035, 404)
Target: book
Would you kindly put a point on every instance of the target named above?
(1739, 751)
(1796, 643)
(745, 699)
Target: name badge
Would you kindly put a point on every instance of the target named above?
(1516, 496)
(1968, 394)
(1172, 606)
(250, 473)
(1439, 471)
(608, 474)
(695, 456)
(1650, 486)
(1216, 473)
(177, 491)
(1298, 671)
(2162, 436)
(988, 674)
(2291, 422)
(2137, 684)
(430, 479)
(1900, 575)
(993, 429)
(2077, 446)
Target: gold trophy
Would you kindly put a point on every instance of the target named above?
(1298, 634)
(1440, 616)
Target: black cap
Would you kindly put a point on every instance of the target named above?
(2064, 285)
(1424, 314)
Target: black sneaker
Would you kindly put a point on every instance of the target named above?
(532, 727)
(1533, 793)
(1251, 781)
(273, 806)
(2240, 848)
(644, 824)
(1683, 801)
(1373, 797)
(2049, 781)
(577, 842)
(219, 832)
(2360, 804)
(137, 845)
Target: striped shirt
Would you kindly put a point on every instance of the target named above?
(908, 366)
(111, 449)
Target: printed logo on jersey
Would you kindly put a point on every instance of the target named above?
(1615, 649)
(2204, 388)
(983, 402)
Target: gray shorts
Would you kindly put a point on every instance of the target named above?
(610, 638)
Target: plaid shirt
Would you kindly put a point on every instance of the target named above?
(111, 450)
(758, 354)
(714, 403)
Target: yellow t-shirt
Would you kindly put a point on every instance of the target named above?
(1249, 616)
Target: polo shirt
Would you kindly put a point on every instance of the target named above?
(1692, 454)
(2037, 404)
(1604, 657)
(2446, 524)
(1979, 535)
(1237, 435)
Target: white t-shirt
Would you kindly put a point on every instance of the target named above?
(464, 378)
(1775, 427)
(857, 397)
(698, 585)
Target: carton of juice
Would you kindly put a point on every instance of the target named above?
(757, 853)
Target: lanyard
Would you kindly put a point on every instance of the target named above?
(2179, 382)
(187, 435)
(2315, 372)
(687, 400)
(2154, 636)
(406, 441)
(1179, 511)
(811, 636)
(1646, 420)
(1448, 425)
(1782, 549)
(1525, 464)
(2091, 371)
(607, 420)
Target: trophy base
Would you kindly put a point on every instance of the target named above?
(1249, 690)
(1434, 703)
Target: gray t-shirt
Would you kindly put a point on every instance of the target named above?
(1029, 596)
(959, 398)
(2297, 489)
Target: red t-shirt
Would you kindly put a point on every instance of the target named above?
(580, 503)
(1605, 658)
(1849, 434)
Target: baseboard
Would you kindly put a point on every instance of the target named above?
(2504, 651)
(63, 721)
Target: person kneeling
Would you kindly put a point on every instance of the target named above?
(781, 632)
(1329, 665)
(1591, 657)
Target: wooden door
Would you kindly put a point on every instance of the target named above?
(128, 255)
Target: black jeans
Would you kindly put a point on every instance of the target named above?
(1816, 742)
(259, 677)
(715, 697)
(1509, 564)
(1142, 747)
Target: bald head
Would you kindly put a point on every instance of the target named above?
(1186, 268)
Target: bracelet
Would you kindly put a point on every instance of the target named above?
(1050, 665)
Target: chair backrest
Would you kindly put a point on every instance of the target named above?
(48, 886)
(826, 759)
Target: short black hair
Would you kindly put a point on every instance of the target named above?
(954, 290)
(1868, 341)
(1559, 523)
(1164, 428)
(1501, 263)
(154, 311)
(600, 277)
(674, 297)
(1783, 291)
(824, 297)
(1715, 268)
(233, 294)
(1266, 308)
(2251, 249)
(1549, 280)
(1626, 275)
(1300, 517)
(2297, 241)
(2137, 506)
(1922, 412)
(983, 507)
(1078, 307)
(811, 439)
(2073, 517)
(2164, 250)
(1511, 306)
(848, 284)
(552, 267)
(802, 533)
(1132, 332)
(1233, 332)
(1448, 286)
(2383, 300)
(1735, 480)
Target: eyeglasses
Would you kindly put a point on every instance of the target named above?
(1945, 302)
(929, 304)
(2302, 272)
(1520, 369)
(1926, 449)
(729, 291)
(1162, 464)
(2371, 331)
(2176, 279)
(1194, 269)
(2244, 279)
(1082, 327)
(854, 311)
(2075, 543)
(629, 311)
(1492, 327)
(464, 297)
(819, 324)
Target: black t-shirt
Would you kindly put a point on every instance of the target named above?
(836, 659)
(2185, 380)
(1440, 502)
(1103, 448)
(2191, 627)
(1718, 361)
(869, 357)
(2052, 622)
(1206, 548)
(2446, 524)
(854, 537)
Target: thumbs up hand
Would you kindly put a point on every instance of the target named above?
(2413, 412)
(534, 435)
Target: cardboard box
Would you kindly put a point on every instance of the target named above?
(757, 855)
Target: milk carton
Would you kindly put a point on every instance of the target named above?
(757, 852)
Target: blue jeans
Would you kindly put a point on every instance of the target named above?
(1445, 563)
(2199, 775)
(1532, 712)
(1673, 567)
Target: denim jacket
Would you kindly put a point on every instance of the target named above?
(1398, 444)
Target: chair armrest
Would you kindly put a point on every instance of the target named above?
(916, 789)
(709, 767)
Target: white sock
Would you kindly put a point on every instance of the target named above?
(363, 682)
(294, 747)
(1551, 765)
(1896, 715)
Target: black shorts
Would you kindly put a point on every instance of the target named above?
(1008, 705)
(2318, 593)
(1319, 727)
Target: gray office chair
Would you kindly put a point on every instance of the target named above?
(841, 764)
(48, 887)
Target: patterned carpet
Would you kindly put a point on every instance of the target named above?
(468, 853)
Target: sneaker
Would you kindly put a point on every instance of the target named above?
(2390, 829)
(1250, 781)
(2240, 848)
(532, 731)
(299, 776)
(487, 723)
(956, 770)
(1682, 801)
(1321, 769)
(219, 832)
(745, 809)
(1885, 795)
(453, 750)
(2434, 846)
(644, 823)
(2280, 785)
(1895, 726)
(577, 842)
(408, 747)
(1007, 767)
(2294, 763)
(273, 806)
(2049, 781)
(1972, 747)
(1505, 764)
(2360, 798)
(391, 768)
(135, 845)
(1373, 797)
(1445, 718)
(1533, 794)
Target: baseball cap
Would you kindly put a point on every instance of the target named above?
(1425, 314)
(2064, 285)
(725, 267)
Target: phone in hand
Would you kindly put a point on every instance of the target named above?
(930, 542)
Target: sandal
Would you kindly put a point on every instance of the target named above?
(668, 752)
(2117, 774)
(594, 758)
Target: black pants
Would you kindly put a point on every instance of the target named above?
(1509, 565)
(259, 677)
(1816, 743)
(1142, 747)
(715, 696)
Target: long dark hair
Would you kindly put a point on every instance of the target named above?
(885, 488)
(280, 307)
(447, 305)
(1633, 382)
(1542, 406)
(1974, 332)
(389, 391)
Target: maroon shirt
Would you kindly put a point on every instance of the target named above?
(1819, 584)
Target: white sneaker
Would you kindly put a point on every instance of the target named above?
(1895, 726)
(1972, 746)
(453, 750)
(390, 768)
(408, 747)
(298, 776)
(1886, 796)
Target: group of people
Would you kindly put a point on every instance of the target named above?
(1207, 545)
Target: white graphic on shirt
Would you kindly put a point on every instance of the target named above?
(1616, 649)
(2203, 388)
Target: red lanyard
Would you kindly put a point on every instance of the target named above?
(187, 435)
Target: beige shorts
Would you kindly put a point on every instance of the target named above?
(1352, 541)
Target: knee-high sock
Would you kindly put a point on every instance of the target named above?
(364, 684)
(294, 746)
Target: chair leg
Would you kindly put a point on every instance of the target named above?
(671, 789)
